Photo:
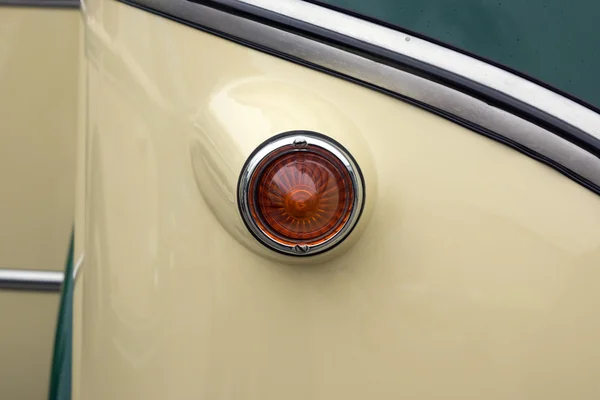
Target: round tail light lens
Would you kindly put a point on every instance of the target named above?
(300, 193)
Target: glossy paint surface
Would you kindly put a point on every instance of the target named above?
(38, 116)
(473, 273)
(28, 323)
(38, 91)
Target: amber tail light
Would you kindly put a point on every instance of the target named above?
(300, 193)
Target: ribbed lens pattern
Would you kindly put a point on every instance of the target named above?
(302, 196)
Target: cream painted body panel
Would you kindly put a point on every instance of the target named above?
(27, 336)
(38, 117)
(475, 272)
(38, 97)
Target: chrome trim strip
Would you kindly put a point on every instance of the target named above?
(16, 279)
(498, 124)
(433, 54)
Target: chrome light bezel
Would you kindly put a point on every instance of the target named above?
(300, 140)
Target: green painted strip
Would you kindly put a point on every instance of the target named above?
(60, 377)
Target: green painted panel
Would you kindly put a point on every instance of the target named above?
(555, 41)
(60, 375)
